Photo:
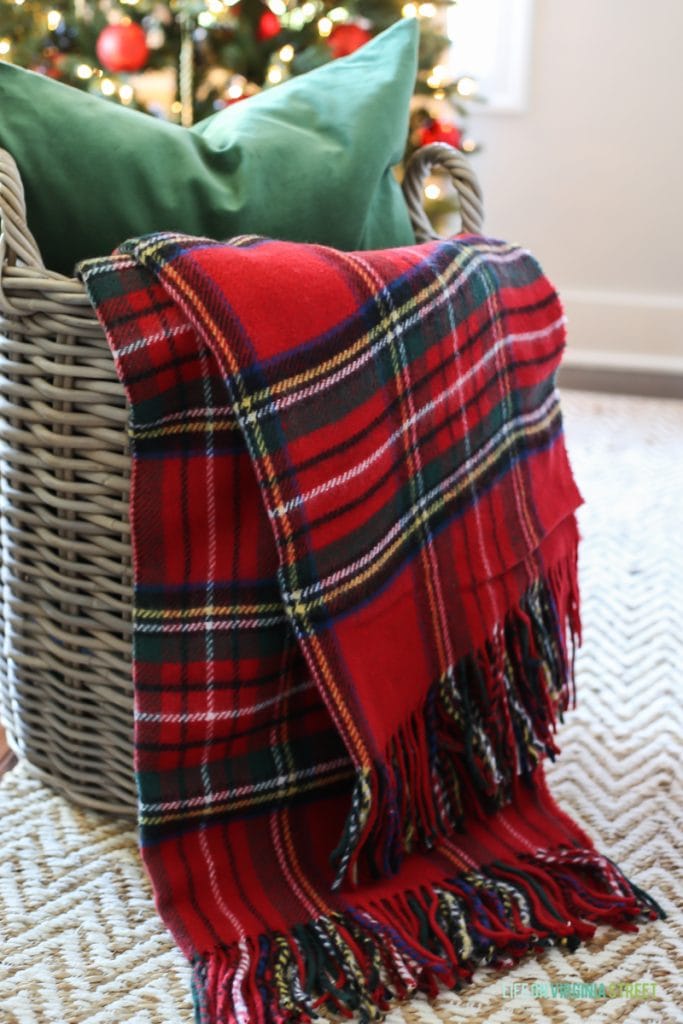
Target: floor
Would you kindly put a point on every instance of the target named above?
(85, 945)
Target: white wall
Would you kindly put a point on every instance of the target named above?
(590, 176)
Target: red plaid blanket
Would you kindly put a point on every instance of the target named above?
(355, 609)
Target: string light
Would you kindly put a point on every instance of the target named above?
(107, 86)
(274, 75)
(325, 27)
(466, 86)
(309, 11)
(469, 145)
(426, 10)
(5, 47)
(432, 192)
(278, 7)
(19, 3)
(126, 92)
(206, 19)
(287, 53)
(54, 19)
(84, 72)
(409, 10)
(176, 107)
(294, 20)
(339, 14)
(236, 91)
(438, 76)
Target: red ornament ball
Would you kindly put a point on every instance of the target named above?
(122, 47)
(268, 26)
(438, 131)
(347, 38)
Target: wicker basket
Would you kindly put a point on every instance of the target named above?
(66, 695)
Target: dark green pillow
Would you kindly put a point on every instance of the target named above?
(310, 160)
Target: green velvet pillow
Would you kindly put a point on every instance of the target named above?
(310, 160)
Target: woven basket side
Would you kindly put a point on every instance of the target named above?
(65, 684)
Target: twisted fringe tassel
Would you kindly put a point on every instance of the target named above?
(490, 719)
(362, 959)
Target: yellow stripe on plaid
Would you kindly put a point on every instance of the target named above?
(207, 610)
(380, 330)
(419, 520)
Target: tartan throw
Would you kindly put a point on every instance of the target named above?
(356, 605)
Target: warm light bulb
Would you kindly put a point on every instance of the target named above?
(274, 75)
(469, 145)
(278, 7)
(437, 77)
(126, 92)
(309, 11)
(409, 10)
(84, 72)
(5, 47)
(216, 6)
(20, 3)
(176, 107)
(287, 53)
(107, 86)
(466, 86)
(236, 91)
(339, 14)
(206, 19)
(295, 20)
(54, 19)
(426, 10)
(432, 191)
(325, 27)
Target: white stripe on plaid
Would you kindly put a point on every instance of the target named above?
(383, 331)
(218, 716)
(498, 443)
(407, 424)
(274, 783)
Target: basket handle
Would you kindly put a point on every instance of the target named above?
(16, 239)
(468, 188)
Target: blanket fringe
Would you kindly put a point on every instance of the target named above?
(488, 721)
(360, 960)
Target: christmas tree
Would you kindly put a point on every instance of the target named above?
(186, 59)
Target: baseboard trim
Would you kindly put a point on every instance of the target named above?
(632, 342)
(622, 380)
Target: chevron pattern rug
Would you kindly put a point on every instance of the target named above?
(80, 940)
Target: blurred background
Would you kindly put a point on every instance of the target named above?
(571, 112)
(581, 159)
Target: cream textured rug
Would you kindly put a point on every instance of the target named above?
(80, 940)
